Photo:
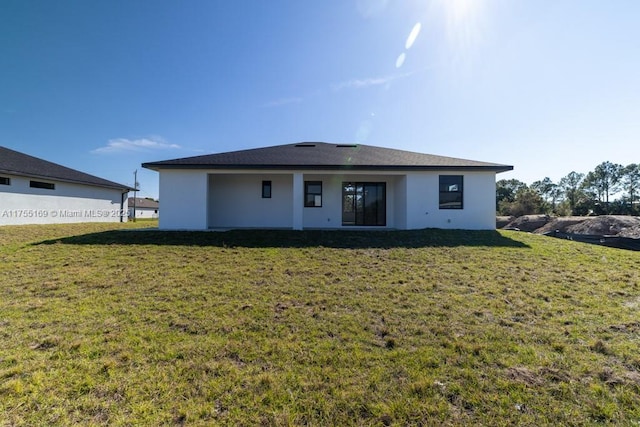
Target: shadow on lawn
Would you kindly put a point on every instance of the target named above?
(296, 239)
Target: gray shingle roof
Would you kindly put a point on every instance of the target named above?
(16, 163)
(142, 203)
(325, 156)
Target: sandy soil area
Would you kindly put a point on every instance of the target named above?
(605, 225)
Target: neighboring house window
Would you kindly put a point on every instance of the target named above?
(5, 181)
(313, 194)
(40, 184)
(451, 192)
(266, 189)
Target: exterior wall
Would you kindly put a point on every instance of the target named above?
(330, 214)
(400, 192)
(144, 213)
(66, 203)
(235, 201)
(201, 199)
(183, 200)
(479, 197)
(298, 200)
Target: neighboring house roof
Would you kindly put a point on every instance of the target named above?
(322, 155)
(142, 203)
(16, 163)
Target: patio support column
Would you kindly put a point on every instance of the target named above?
(298, 200)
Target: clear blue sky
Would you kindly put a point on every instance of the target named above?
(548, 86)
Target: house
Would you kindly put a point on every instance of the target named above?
(35, 191)
(143, 208)
(322, 185)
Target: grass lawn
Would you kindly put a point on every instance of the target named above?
(105, 326)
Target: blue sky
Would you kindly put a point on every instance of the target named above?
(548, 86)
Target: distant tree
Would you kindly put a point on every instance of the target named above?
(570, 186)
(506, 190)
(630, 183)
(549, 191)
(589, 201)
(556, 196)
(604, 181)
(527, 202)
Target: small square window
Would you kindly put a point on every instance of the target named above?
(5, 181)
(313, 194)
(266, 189)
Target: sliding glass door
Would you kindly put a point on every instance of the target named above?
(364, 203)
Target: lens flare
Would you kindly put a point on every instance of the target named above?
(415, 31)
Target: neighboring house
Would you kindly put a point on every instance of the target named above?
(330, 186)
(144, 208)
(35, 191)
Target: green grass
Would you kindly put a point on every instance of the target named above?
(100, 325)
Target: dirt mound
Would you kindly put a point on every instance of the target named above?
(605, 225)
(528, 223)
(502, 221)
(608, 225)
(561, 224)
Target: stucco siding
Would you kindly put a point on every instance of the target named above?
(330, 214)
(201, 199)
(481, 196)
(66, 203)
(183, 200)
(478, 211)
(144, 213)
(236, 201)
(400, 202)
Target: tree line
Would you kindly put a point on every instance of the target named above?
(575, 194)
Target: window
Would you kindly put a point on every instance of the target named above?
(313, 194)
(40, 184)
(451, 192)
(266, 189)
(364, 203)
(5, 181)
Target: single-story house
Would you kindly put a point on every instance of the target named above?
(35, 191)
(322, 185)
(143, 208)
